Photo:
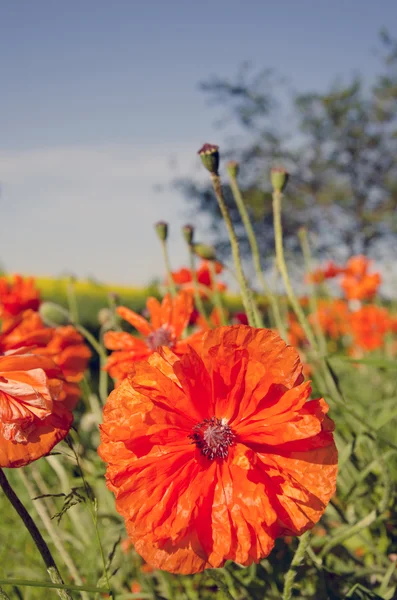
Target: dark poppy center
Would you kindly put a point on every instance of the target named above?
(160, 337)
(213, 437)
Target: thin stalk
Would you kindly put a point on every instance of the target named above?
(276, 315)
(282, 267)
(46, 584)
(3, 595)
(245, 291)
(313, 300)
(93, 512)
(52, 532)
(215, 575)
(216, 295)
(295, 563)
(170, 282)
(72, 301)
(100, 350)
(38, 539)
(196, 290)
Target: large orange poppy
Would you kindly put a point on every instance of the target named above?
(212, 455)
(33, 415)
(16, 295)
(168, 321)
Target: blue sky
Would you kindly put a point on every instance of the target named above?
(97, 97)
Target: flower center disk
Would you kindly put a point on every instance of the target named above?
(160, 337)
(213, 437)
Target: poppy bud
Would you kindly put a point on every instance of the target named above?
(210, 157)
(53, 315)
(204, 251)
(279, 178)
(188, 233)
(162, 230)
(233, 168)
(105, 316)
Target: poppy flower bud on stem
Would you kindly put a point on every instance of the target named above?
(279, 178)
(162, 230)
(233, 168)
(53, 315)
(204, 251)
(188, 233)
(210, 157)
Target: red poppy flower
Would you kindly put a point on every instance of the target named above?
(212, 456)
(64, 345)
(369, 326)
(33, 416)
(357, 283)
(168, 322)
(17, 295)
(184, 278)
(319, 275)
(333, 316)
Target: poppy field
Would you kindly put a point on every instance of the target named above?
(184, 445)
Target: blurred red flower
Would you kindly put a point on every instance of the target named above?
(64, 345)
(184, 279)
(16, 295)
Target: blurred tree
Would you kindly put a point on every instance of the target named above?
(340, 148)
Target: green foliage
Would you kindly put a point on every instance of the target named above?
(340, 147)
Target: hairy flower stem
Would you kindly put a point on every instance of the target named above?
(38, 539)
(282, 267)
(100, 350)
(275, 311)
(296, 561)
(216, 295)
(3, 595)
(170, 282)
(245, 291)
(52, 532)
(196, 291)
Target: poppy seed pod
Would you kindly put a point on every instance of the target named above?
(204, 251)
(279, 179)
(209, 155)
(188, 233)
(162, 230)
(233, 168)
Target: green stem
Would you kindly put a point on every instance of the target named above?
(213, 573)
(3, 595)
(282, 267)
(313, 296)
(276, 315)
(170, 281)
(46, 584)
(245, 291)
(216, 295)
(196, 291)
(52, 532)
(93, 512)
(349, 532)
(38, 539)
(100, 350)
(296, 561)
(72, 301)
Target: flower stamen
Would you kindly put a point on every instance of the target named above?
(213, 437)
(160, 337)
